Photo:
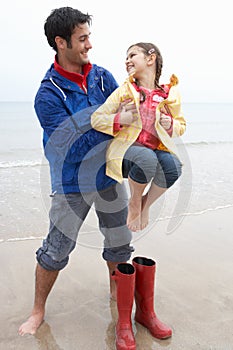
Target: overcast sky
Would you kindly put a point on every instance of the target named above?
(195, 39)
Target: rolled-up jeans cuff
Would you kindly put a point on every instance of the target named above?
(119, 254)
(45, 261)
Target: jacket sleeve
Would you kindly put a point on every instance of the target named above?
(174, 104)
(104, 117)
(62, 134)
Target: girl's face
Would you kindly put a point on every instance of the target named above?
(136, 61)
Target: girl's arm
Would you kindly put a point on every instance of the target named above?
(116, 110)
(103, 118)
(173, 104)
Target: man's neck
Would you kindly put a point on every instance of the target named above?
(77, 78)
(69, 67)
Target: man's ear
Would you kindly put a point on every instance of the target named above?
(60, 42)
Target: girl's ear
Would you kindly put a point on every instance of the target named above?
(151, 59)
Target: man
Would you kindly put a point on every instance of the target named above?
(72, 87)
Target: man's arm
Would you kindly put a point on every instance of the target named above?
(73, 140)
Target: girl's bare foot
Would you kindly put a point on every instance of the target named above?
(145, 212)
(32, 324)
(134, 216)
(144, 218)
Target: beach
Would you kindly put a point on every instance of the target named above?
(189, 236)
(194, 285)
(193, 294)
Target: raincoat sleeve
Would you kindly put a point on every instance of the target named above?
(174, 105)
(103, 118)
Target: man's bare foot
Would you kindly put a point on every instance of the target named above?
(113, 297)
(32, 324)
(134, 216)
(113, 288)
(113, 291)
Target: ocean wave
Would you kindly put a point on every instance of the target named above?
(94, 229)
(43, 162)
(201, 143)
(200, 212)
(20, 239)
(22, 163)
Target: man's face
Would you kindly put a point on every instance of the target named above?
(74, 55)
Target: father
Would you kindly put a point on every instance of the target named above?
(71, 88)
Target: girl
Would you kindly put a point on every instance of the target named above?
(142, 148)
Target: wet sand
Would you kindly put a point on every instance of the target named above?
(193, 294)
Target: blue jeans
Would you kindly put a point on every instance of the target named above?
(142, 164)
(67, 214)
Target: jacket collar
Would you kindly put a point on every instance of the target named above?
(77, 78)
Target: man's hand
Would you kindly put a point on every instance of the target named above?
(128, 113)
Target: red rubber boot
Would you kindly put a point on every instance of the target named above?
(144, 298)
(124, 276)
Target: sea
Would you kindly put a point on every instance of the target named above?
(206, 184)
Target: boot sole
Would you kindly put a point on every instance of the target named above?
(155, 336)
(128, 348)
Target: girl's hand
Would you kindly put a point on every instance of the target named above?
(165, 109)
(165, 121)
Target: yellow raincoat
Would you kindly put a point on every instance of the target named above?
(103, 120)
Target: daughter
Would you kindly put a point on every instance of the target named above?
(142, 148)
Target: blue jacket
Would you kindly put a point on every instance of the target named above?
(75, 151)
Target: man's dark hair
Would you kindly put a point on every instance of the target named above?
(61, 22)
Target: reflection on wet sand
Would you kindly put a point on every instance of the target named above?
(45, 338)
